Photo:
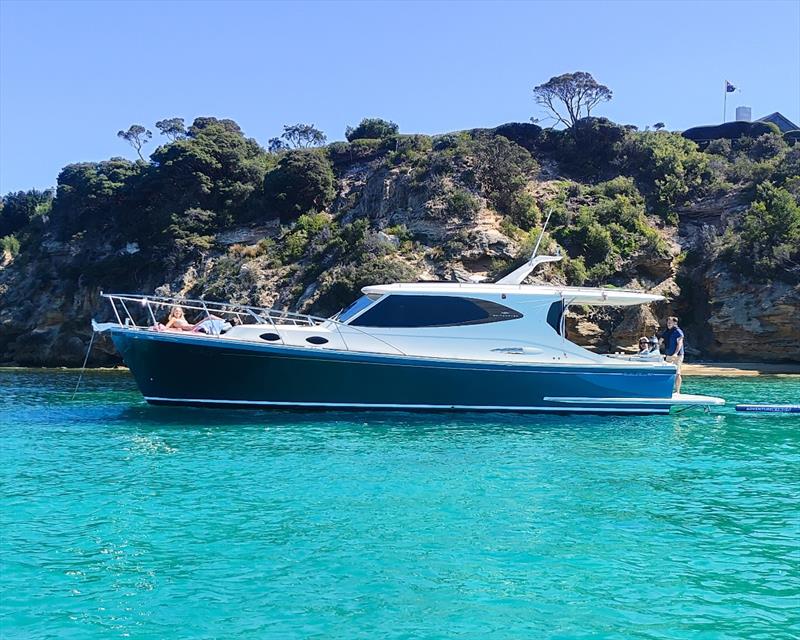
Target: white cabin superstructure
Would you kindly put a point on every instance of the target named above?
(520, 323)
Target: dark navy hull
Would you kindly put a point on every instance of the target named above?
(208, 371)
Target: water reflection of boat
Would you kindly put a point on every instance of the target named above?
(424, 346)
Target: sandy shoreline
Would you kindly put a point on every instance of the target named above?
(738, 369)
(720, 369)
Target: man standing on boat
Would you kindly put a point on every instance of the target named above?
(673, 348)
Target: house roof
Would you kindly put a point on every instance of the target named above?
(781, 121)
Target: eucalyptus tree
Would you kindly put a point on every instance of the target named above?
(571, 96)
(137, 136)
(173, 128)
(297, 136)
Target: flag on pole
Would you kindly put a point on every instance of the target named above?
(729, 88)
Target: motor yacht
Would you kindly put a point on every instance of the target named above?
(411, 346)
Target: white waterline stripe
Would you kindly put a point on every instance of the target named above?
(686, 401)
(358, 405)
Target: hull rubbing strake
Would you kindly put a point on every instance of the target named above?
(407, 407)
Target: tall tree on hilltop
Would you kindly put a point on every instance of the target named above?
(297, 136)
(571, 96)
(137, 136)
(173, 128)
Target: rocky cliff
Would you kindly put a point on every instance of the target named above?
(452, 207)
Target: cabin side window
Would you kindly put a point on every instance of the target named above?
(554, 314)
(433, 311)
(355, 307)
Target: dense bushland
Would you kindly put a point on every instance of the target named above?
(612, 191)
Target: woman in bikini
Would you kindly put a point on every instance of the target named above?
(177, 321)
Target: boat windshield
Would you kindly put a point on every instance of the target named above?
(356, 307)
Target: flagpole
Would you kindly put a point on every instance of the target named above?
(725, 104)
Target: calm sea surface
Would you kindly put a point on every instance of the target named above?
(123, 520)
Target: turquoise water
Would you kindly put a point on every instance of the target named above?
(123, 520)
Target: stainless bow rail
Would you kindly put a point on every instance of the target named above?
(209, 308)
(140, 313)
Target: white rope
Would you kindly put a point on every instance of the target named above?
(83, 368)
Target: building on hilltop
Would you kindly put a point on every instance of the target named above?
(781, 121)
(742, 126)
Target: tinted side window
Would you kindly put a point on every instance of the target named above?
(354, 308)
(554, 315)
(433, 311)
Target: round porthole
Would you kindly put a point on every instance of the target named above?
(271, 337)
(317, 340)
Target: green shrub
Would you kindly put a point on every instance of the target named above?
(193, 229)
(312, 223)
(721, 147)
(446, 142)
(367, 145)
(371, 128)
(462, 204)
(575, 271)
(409, 149)
(612, 226)
(304, 232)
(222, 278)
(588, 149)
(302, 181)
(597, 242)
(294, 245)
(619, 186)
(215, 168)
(456, 244)
(503, 168)
(343, 284)
(19, 208)
(412, 142)
(766, 242)
(509, 229)
(9, 244)
(788, 169)
(523, 210)
(525, 134)
(360, 150)
(92, 195)
(668, 168)
(601, 272)
(400, 232)
(767, 146)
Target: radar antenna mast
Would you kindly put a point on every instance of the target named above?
(519, 274)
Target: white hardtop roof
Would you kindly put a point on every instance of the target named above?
(572, 295)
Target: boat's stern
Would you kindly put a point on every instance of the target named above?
(651, 405)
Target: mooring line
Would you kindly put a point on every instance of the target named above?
(83, 368)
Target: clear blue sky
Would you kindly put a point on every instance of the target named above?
(73, 73)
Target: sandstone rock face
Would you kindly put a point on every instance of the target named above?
(753, 321)
(586, 333)
(636, 322)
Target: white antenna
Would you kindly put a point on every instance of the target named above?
(541, 234)
(519, 274)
